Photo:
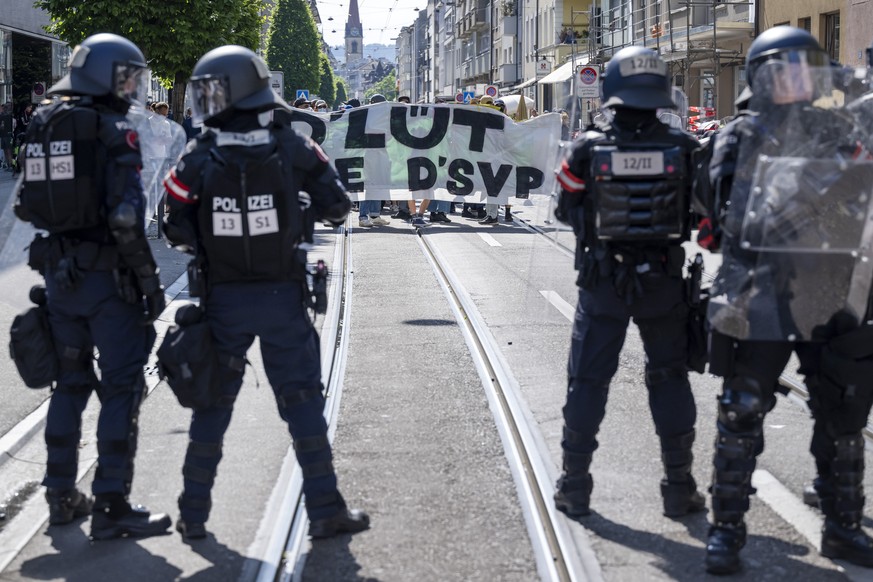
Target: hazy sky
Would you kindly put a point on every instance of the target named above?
(381, 19)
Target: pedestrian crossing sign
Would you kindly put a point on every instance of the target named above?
(302, 93)
(468, 96)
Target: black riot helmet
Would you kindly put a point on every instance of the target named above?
(784, 43)
(227, 79)
(377, 98)
(636, 78)
(105, 65)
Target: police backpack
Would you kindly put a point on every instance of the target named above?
(31, 345)
(187, 360)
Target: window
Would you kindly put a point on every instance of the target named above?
(740, 81)
(707, 89)
(832, 34)
(805, 23)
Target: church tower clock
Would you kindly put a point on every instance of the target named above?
(354, 34)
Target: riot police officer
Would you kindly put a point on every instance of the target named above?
(625, 191)
(765, 304)
(81, 185)
(233, 201)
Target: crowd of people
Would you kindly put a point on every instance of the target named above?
(13, 127)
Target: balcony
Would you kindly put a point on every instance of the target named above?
(508, 26)
(506, 74)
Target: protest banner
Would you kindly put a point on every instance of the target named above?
(452, 152)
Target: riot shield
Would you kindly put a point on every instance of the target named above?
(161, 143)
(800, 220)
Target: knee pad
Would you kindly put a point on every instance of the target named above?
(741, 407)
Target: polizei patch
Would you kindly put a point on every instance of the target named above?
(61, 162)
(260, 216)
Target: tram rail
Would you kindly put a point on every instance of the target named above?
(559, 557)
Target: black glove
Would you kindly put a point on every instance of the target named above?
(155, 302)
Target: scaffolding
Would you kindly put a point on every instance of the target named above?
(654, 24)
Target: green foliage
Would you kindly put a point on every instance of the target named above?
(327, 89)
(293, 46)
(172, 34)
(342, 93)
(387, 87)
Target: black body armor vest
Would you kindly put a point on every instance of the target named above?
(63, 179)
(249, 216)
(639, 191)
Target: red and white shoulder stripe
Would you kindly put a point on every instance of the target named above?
(569, 181)
(177, 189)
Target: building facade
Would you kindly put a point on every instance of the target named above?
(30, 59)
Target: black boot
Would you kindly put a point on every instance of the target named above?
(65, 506)
(113, 517)
(723, 547)
(678, 488)
(191, 531)
(842, 502)
(573, 495)
(681, 498)
(846, 542)
(350, 521)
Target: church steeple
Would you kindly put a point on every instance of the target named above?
(354, 34)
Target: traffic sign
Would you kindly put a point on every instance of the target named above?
(468, 96)
(302, 93)
(459, 98)
(586, 83)
(37, 92)
(491, 91)
(277, 83)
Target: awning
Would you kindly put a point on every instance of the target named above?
(564, 72)
(524, 85)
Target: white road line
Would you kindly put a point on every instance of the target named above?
(489, 239)
(792, 509)
(565, 308)
(801, 517)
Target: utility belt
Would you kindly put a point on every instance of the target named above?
(58, 251)
(626, 265)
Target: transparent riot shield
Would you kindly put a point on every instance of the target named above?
(162, 142)
(800, 219)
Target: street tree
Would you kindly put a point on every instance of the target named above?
(294, 47)
(387, 87)
(327, 89)
(342, 93)
(172, 35)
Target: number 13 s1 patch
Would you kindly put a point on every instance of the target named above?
(226, 224)
(263, 222)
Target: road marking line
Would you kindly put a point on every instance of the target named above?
(565, 308)
(489, 239)
(791, 508)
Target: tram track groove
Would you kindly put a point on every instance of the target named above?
(285, 556)
(561, 555)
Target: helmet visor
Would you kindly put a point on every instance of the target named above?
(792, 76)
(130, 83)
(210, 95)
